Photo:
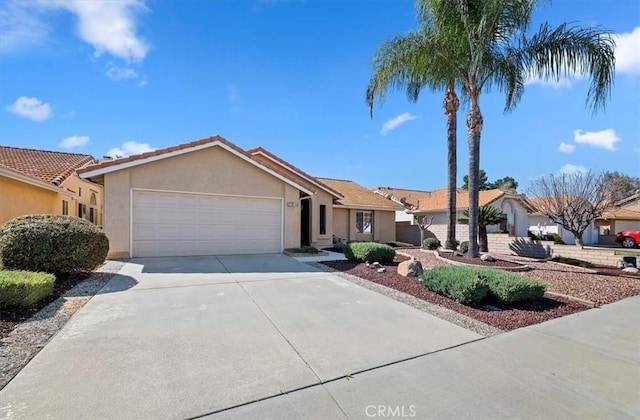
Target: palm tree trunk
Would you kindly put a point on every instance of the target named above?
(482, 238)
(451, 105)
(474, 128)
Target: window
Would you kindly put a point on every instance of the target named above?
(93, 215)
(82, 211)
(65, 207)
(323, 219)
(79, 191)
(93, 201)
(364, 221)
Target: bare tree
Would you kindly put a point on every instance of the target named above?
(424, 223)
(573, 200)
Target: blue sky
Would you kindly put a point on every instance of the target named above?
(101, 77)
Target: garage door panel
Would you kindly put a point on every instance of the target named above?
(176, 224)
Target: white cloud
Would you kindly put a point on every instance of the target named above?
(129, 148)
(572, 169)
(605, 139)
(394, 123)
(20, 26)
(627, 52)
(562, 83)
(566, 147)
(114, 72)
(31, 108)
(74, 141)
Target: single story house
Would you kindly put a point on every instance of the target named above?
(45, 182)
(211, 197)
(433, 204)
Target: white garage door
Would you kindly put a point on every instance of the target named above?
(180, 224)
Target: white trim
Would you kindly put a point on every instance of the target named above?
(132, 190)
(32, 181)
(137, 162)
(259, 152)
(367, 208)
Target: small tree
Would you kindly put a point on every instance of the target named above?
(506, 183)
(487, 215)
(574, 200)
(424, 223)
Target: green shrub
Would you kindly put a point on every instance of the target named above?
(304, 250)
(24, 288)
(557, 239)
(498, 231)
(431, 243)
(369, 251)
(456, 283)
(464, 246)
(52, 244)
(398, 244)
(472, 284)
(572, 261)
(511, 288)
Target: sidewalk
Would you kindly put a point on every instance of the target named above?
(585, 365)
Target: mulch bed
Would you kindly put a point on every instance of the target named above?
(11, 317)
(496, 263)
(509, 318)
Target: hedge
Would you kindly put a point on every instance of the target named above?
(53, 244)
(24, 288)
(471, 285)
(431, 243)
(369, 251)
(455, 284)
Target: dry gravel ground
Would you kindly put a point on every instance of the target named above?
(29, 337)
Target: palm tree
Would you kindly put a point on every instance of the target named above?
(406, 63)
(487, 215)
(490, 48)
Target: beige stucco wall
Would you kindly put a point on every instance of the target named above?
(341, 223)
(19, 198)
(76, 184)
(212, 170)
(384, 226)
(321, 198)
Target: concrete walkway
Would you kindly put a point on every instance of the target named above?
(585, 365)
(178, 338)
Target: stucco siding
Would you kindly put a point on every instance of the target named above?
(384, 226)
(19, 198)
(326, 239)
(211, 171)
(341, 223)
(74, 183)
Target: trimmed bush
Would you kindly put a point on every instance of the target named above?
(398, 244)
(470, 285)
(369, 251)
(431, 243)
(24, 288)
(508, 288)
(464, 246)
(557, 239)
(304, 250)
(498, 231)
(456, 284)
(53, 244)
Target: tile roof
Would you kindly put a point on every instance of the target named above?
(357, 195)
(417, 200)
(48, 166)
(284, 168)
(620, 213)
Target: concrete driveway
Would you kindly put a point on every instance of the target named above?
(187, 337)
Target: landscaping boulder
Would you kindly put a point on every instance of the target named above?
(382, 270)
(411, 268)
(487, 257)
(630, 270)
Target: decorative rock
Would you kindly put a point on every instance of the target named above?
(630, 270)
(620, 264)
(411, 268)
(376, 264)
(381, 270)
(487, 257)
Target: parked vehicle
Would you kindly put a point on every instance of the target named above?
(628, 238)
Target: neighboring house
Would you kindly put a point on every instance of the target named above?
(625, 216)
(433, 205)
(211, 197)
(45, 182)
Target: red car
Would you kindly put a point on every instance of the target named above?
(628, 238)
